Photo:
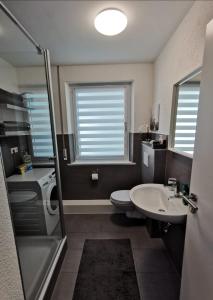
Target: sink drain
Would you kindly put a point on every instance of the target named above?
(162, 210)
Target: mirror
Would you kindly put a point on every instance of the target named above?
(184, 113)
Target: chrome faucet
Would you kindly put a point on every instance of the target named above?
(174, 187)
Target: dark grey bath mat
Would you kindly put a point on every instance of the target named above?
(106, 272)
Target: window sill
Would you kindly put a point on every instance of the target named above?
(102, 162)
(181, 153)
(43, 163)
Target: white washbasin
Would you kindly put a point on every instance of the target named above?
(154, 202)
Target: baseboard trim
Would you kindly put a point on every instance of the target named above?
(97, 206)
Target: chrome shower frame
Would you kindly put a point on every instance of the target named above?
(46, 55)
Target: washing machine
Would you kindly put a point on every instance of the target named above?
(38, 214)
(50, 200)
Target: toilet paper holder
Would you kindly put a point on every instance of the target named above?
(95, 175)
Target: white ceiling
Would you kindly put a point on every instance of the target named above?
(66, 28)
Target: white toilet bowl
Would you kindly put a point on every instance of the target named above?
(122, 201)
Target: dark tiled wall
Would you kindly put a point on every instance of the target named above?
(76, 180)
(174, 240)
(179, 167)
(12, 161)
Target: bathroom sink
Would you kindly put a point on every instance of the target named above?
(154, 202)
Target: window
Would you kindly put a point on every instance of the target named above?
(186, 116)
(39, 119)
(101, 121)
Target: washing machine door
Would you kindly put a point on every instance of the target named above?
(52, 198)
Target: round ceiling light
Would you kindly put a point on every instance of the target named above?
(110, 21)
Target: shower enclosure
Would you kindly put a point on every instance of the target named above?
(29, 155)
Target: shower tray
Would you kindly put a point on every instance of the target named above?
(39, 251)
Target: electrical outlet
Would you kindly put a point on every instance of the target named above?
(13, 150)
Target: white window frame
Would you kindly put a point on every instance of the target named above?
(174, 113)
(127, 122)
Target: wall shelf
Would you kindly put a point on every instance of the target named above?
(15, 133)
(14, 107)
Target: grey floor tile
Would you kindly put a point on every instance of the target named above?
(120, 223)
(152, 261)
(139, 240)
(83, 223)
(157, 277)
(143, 240)
(72, 261)
(158, 286)
(64, 287)
(108, 235)
(102, 223)
(75, 240)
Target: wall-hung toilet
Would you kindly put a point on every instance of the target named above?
(121, 200)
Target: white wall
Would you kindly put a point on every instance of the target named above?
(182, 54)
(10, 281)
(8, 79)
(140, 74)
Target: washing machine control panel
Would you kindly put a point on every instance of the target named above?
(47, 179)
(52, 175)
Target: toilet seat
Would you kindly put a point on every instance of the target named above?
(121, 197)
(122, 201)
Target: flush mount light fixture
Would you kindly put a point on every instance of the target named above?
(110, 21)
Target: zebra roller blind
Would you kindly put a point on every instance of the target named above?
(100, 121)
(186, 117)
(39, 119)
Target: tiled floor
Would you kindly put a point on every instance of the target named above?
(157, 277)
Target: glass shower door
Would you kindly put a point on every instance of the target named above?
(29, 155)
